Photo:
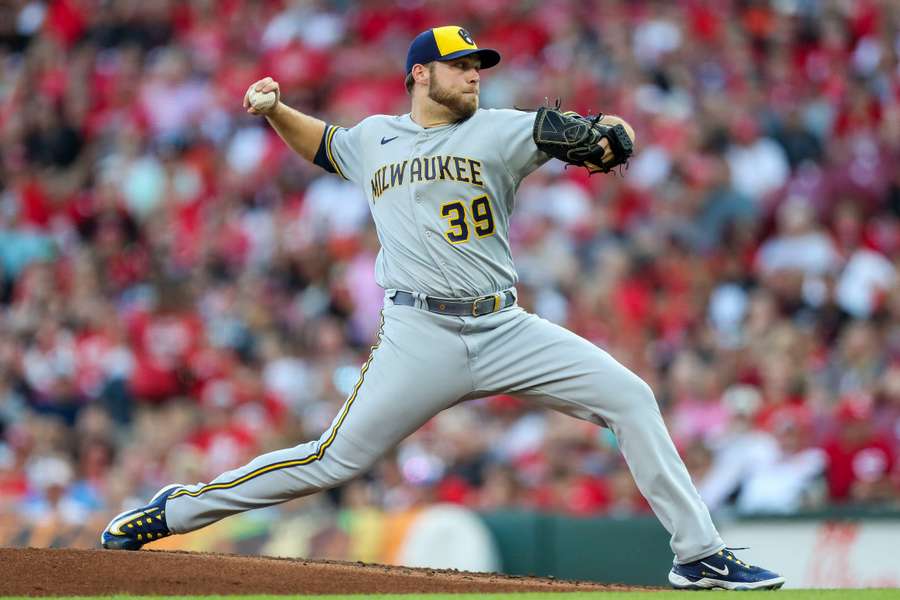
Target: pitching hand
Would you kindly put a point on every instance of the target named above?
(266, 84)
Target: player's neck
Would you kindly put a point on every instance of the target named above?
(428, 113)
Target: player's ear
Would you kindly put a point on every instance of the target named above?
(421, 74)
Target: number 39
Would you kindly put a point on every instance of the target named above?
(482, 218)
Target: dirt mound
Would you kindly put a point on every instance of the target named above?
(43, 572)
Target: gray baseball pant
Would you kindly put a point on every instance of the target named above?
(425, 362)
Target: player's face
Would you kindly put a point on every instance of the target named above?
(455, 85)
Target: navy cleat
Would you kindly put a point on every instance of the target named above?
(723, 571)
(133, 528)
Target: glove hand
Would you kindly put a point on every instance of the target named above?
(595, 143)
(608, 160)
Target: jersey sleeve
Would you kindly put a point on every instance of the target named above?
(513, 130)
(340, 151)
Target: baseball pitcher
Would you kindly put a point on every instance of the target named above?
(441, 183)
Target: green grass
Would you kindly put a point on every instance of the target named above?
(872, 594)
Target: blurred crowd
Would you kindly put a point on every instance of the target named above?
(179, 292)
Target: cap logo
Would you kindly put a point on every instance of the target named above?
(446, 43)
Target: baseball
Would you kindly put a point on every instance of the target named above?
(261, 101)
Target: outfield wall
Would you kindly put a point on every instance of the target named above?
(848, 549)
(816, 553)
(813, 551)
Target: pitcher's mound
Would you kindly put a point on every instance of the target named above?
(42, 572)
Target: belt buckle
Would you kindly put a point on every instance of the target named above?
(498, 302)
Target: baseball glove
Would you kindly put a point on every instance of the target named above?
(576, 140)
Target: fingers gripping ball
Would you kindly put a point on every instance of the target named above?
(261, 101)
(577, 140)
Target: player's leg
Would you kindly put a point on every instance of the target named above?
(528, 356)
(412, 373)
(536, 359)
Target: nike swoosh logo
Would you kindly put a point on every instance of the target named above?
(719, 571)
(385, 140)
(115, 527)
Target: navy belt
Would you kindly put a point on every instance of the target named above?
(474, 308)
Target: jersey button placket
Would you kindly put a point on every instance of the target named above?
(417, 194)
(417, 149)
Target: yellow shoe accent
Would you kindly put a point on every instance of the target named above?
(128, 521)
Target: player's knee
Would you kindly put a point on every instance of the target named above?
(336, 477)
(339, 472)
(640, 396)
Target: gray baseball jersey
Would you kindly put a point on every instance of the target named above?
(441, 199)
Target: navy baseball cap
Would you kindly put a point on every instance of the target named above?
(447, 43)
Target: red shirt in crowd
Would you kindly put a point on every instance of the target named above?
(848, 464)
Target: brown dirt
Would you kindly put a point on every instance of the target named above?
(53, 572)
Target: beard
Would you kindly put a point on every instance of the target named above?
(462, 106)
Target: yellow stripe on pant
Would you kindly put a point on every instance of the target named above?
(302, 461)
